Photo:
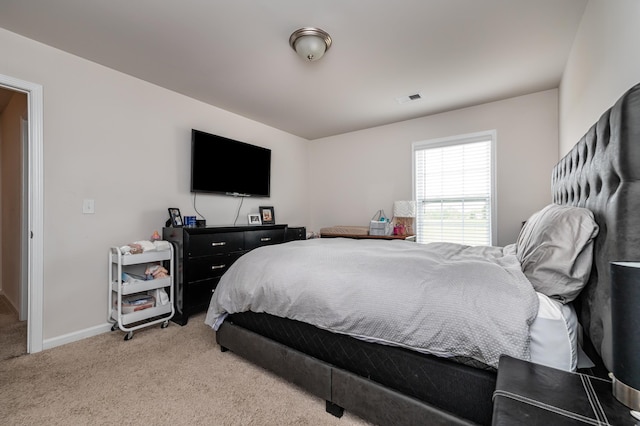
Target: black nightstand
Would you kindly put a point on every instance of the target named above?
(532, 394)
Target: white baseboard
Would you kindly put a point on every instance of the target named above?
(76, 335)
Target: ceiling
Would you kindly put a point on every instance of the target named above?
(236, 55)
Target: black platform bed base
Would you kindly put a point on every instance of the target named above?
(340, 389)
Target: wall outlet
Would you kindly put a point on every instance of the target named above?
(88, 206)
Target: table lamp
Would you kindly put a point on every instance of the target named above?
(403, 213)
(625, 324)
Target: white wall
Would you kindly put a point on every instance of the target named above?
(355, 174)
(125, 143)
(603, 64)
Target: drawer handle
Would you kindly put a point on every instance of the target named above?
(218, 244)
(264, 239)
(217, 267)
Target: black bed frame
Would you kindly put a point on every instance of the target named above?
(602, 173)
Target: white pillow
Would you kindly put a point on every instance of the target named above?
(555, 249)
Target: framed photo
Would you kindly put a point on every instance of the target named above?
(175, 219)
(268, 215)
(254, 219)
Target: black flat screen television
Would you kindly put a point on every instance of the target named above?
(227, 166)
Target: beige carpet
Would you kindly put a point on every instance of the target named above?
(174, 376)
(13, 333)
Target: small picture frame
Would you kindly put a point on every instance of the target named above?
(268, 215)
(175, 218)
(254, 219)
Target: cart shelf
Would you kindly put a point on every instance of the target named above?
(119, 264)
(140, 286)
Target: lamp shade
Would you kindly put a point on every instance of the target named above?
(625, 324)
(404, 209)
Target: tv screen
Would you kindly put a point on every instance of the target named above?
(226, 166)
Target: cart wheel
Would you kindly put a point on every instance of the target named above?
(165, 324)
(128, 336)
(114, 326)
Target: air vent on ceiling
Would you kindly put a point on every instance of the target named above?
(409, 98)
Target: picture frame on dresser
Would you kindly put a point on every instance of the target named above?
(254, 219)
(175, 218)
(268, 215)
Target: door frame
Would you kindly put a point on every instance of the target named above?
(33, 218)
(24, 228)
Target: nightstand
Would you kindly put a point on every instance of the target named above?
(533, 394)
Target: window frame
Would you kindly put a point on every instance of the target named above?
(483, 136)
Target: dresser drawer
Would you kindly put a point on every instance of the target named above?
(208, 244)
(296, 233)
(255, 239)
(202, 268)
(198, 295)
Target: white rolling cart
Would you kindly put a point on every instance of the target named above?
(136, 264)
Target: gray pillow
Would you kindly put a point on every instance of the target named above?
(555, 249)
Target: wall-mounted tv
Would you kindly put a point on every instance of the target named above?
(227, 166)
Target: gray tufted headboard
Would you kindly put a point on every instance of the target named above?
(602, 173)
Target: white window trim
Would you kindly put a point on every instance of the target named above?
(457, 140)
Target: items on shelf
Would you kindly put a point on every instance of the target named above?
(138, 247)
(153, 271)
(160, 295)
(136, 302)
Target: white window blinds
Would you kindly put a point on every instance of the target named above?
(454, 189)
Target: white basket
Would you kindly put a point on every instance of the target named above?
(380, 228)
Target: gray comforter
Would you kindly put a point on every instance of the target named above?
(444, 299)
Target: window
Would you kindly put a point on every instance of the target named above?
(454, 189)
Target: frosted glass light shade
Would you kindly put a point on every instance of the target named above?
(404, 209)
(310, 43)
(310, 48)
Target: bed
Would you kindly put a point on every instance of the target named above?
(389, 379)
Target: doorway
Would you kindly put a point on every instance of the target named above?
(32, 211)
(13, 283)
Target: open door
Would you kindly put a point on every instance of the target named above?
(32, 227)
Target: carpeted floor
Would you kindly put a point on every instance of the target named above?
(166, 376)
(13, 333)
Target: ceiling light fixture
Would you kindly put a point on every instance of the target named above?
(310, 43)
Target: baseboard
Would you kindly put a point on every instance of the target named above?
(76, 335)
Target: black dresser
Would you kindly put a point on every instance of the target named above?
(203, 255)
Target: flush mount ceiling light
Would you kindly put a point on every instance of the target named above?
(310, 43)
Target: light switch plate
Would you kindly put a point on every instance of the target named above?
(88, 206)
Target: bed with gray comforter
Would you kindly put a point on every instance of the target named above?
(479, 310)
(443, 299)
